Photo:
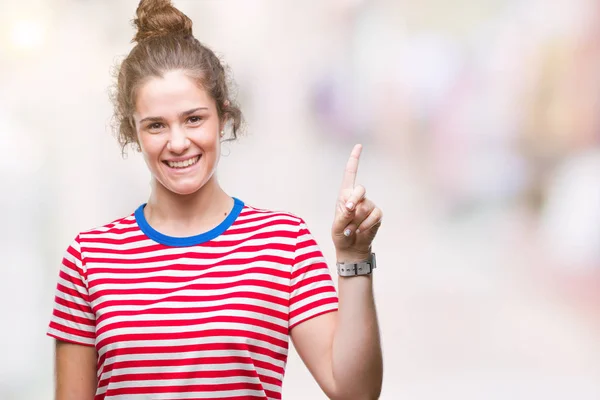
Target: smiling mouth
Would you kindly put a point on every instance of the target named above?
(182, 164)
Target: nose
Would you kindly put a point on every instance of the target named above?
(178, 141)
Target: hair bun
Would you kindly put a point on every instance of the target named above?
(160, 18)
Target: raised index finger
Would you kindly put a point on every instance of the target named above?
(352, 168)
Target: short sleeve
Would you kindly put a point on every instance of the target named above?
(72, 318)
(312, 289)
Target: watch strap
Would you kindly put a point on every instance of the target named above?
(365, 267)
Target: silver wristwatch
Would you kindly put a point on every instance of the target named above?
(365, 267)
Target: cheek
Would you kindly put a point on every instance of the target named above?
(207, 140)
(142, 141)
(150, 146)
(212, 151)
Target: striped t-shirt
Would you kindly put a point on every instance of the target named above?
(201, 317)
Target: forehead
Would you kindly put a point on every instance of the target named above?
(170, 94)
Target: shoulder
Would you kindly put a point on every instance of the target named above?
(253, 212)
(118, 227)
(272, 220)
(111, 232)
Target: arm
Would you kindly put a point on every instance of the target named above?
(75, 368)
(342, 350)
(73, 326)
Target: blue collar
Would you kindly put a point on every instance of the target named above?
(161, 238)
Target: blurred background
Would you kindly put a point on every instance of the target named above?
(480, 121)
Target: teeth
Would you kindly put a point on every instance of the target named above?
(183, 164)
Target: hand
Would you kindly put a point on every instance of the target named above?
(357, 219)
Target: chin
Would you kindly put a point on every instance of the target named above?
(185, 187)
(184, 190)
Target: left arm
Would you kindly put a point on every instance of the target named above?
(342, 349)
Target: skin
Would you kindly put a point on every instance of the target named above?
(75, 370)
(177, 120)
(342, 350)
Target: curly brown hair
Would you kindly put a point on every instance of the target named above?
(165, 42)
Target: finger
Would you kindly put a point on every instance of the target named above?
(363, 210)
(358, 194)
(352, 168)
(347, 209)
(373, 221)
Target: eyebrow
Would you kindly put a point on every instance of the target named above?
(182, 114)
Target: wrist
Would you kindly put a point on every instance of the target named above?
(352, 256)
(357, 267)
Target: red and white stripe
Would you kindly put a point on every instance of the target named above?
(209, 321)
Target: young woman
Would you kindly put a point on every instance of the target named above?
(194, 295)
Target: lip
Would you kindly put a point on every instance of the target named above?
(178, 159)
(184, 169)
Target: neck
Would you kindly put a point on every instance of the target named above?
(186, 215)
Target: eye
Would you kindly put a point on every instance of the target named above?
(194, 119)
(155, 126)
